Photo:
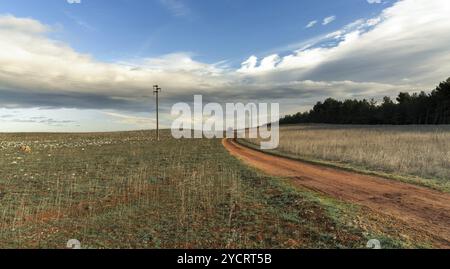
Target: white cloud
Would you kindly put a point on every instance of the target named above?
(311, 24)
(328, 20)
(374, 1)
(51, 67)
(408, 40)
(24, 25)
(404, 48)
(267, 64)
(249, 64)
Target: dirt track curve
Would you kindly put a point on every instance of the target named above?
(422, 208)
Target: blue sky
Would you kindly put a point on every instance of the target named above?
(89, 66)
(211, 30)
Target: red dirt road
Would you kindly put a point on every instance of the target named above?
(421, 208)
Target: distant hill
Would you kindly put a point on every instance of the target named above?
(417, 108)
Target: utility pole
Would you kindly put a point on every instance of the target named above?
(157, 90)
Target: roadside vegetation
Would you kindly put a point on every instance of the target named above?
(415, 154)
(125, 190)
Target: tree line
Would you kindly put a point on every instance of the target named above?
(416, 108)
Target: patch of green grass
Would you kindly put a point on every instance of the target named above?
(356, 224)
(125, 190)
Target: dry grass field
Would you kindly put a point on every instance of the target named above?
(125, 190)
(419, 154)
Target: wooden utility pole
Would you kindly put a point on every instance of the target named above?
(157, 90)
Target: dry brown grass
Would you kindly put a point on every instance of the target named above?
(422, 151)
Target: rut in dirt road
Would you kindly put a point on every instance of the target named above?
(422, 208)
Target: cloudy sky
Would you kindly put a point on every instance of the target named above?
(85, 65)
